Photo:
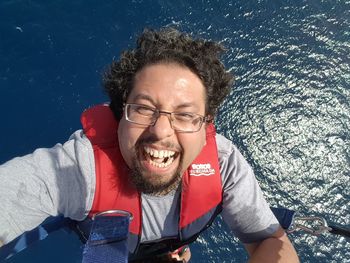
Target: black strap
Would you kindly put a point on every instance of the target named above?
(336, 230)
(284, 216)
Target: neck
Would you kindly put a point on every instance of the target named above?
(172, 188)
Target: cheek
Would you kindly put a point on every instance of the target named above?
(192, 146)
(127, 139)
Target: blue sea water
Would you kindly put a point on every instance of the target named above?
(289, 111)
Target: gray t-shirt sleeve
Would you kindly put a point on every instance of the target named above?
(46, 183)
(245, 210)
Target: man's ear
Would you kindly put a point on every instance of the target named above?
(209, 119)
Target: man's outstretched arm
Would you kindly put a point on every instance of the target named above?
(277, 248)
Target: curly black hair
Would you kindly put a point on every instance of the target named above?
(169, 45)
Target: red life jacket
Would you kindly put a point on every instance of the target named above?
(201, 184)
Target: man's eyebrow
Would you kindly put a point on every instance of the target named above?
(185, 105)
(144, 97)
(149, 98)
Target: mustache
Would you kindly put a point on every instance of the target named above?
(152, 140)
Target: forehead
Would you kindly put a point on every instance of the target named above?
(168, 86)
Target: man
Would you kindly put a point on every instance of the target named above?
(152, 152)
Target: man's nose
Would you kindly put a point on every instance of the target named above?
(162, 128)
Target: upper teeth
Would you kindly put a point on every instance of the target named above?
(159, 154)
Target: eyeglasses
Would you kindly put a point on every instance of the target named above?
(148, 116)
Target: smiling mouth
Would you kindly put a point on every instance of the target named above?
(159, 158)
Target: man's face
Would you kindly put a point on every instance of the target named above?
(172, 88)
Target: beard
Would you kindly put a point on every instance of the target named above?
(152, 183)
(154, 186)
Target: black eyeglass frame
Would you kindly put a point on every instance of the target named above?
(157, 114)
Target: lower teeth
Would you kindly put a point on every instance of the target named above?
(165, 163)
